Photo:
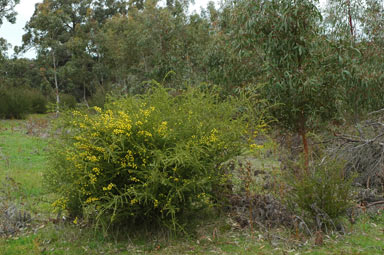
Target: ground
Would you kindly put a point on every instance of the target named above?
(23, 160)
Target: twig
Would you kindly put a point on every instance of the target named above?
(304, 224)
(375, 203)
(374, 112)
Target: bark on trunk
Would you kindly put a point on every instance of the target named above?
(56, 84)
(350, 19)
(85, 96)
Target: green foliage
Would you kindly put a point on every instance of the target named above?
(297, 62)
(163, 41)
(13, 103)
(7, 10)
(312, 67)
(355, 27)
(98, 98)
(38, 101)
(324, 193)
(68, 101)
(16, 103)
(150, 158)
(21, 73)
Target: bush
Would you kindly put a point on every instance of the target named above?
(38, 101)
(98, 98)
(14, 103)
(323, 193)
(68, 101)
(149, 158)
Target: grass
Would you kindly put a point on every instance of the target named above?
(23, 160)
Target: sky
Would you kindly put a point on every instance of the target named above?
(14, 32)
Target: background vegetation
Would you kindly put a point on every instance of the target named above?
(315, 61)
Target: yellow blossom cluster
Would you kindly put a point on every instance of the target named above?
(60, 204)
(162, 129)
(109, 187)
(255, 146)
(91, 199)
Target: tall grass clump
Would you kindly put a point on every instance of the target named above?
(323, 194)
(147, 159)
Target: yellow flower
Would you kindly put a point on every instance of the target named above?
(91, 199)
(144, 133)
(92, 158)
(75, 221)
(118, 131)
(109, 187)
(60, 203)
(76, 113)
(162, 129)
(96, 170)
(255, 146)
(92, 178)
(99, 149)
(134, 179)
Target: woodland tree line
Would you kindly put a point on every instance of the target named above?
(316, 60)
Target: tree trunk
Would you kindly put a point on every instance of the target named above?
(56, 83)
(350, 19)
(84, 96)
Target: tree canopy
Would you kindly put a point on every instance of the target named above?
(7, 10)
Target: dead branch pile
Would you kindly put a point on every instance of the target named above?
(363, 151)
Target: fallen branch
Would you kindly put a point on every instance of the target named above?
(375, 203)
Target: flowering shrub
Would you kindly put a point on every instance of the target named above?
(146, 158)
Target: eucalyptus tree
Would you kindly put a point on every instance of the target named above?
(49, 30)
(150, 43)
(231, 59)
(7, 10)
(64, 32)
(299, 61)
(371, 65)
(356, 27)
(343, 18)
